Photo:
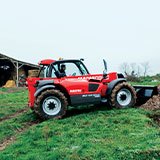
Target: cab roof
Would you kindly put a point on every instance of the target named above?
(50, 61)
(46, 62)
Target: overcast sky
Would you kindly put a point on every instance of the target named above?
(116, 30)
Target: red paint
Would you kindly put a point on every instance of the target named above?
(46, 62)
(74, 85)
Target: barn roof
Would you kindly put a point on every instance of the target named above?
(4, 57)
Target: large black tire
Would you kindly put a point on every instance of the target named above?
(123, 96)
(51, 104)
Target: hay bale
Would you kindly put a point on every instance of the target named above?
(21, 71)
(10, 84)
(33, 73)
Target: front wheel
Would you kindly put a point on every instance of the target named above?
(51, 104)
(123, 96)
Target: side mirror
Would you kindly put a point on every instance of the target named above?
(105, 64)
(105, 69)
(104, 74)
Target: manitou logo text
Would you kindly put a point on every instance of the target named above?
(91, 77)
(75, 90)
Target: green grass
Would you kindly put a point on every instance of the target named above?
(148, 80)
(146, 83)
(10, 127)
(85, 133)
(12, 100)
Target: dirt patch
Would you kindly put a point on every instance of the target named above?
(16, 89)
(1, 92)
(11, 139)
(155, 116)
(8, 141)
(12, 90)
(14, 115)
(152, 104)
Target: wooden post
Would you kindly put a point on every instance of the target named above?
(16, 65)
(17, 69)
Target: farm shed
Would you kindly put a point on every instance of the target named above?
(12, 69)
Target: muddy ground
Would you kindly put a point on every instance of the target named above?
(152, 104)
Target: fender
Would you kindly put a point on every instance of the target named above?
(41, 83)
(39, 90)
(113, 83)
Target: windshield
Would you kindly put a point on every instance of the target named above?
(82, 68)
(69, 68)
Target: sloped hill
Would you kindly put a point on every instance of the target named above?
(90, 132)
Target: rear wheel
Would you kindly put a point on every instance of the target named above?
(123, 96)
(51, 104)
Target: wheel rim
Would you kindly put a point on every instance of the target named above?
(124, 97)
(51, 105)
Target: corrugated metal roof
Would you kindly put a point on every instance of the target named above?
(4, 57)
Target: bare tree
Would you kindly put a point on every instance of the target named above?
(138, 71)
(146, 68)
(133, 66)
(125, 68)
(133, 69)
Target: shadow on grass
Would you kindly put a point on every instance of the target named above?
(73, 111)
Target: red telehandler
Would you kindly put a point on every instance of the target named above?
(63, 83)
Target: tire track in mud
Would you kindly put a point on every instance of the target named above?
(14, 114)
(24, 126)
(9, 140)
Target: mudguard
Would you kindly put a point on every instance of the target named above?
(113, 83)
(39, 90)
(41, 83)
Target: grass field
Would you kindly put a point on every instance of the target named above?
(89, 132)
(12, 100)
(146, 83)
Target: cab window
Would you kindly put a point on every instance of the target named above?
(82, 68)
(72, 69)
(44, 72)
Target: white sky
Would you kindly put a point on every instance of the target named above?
(116, 30)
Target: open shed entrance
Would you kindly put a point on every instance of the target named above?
(12, 69)
(6, 70)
